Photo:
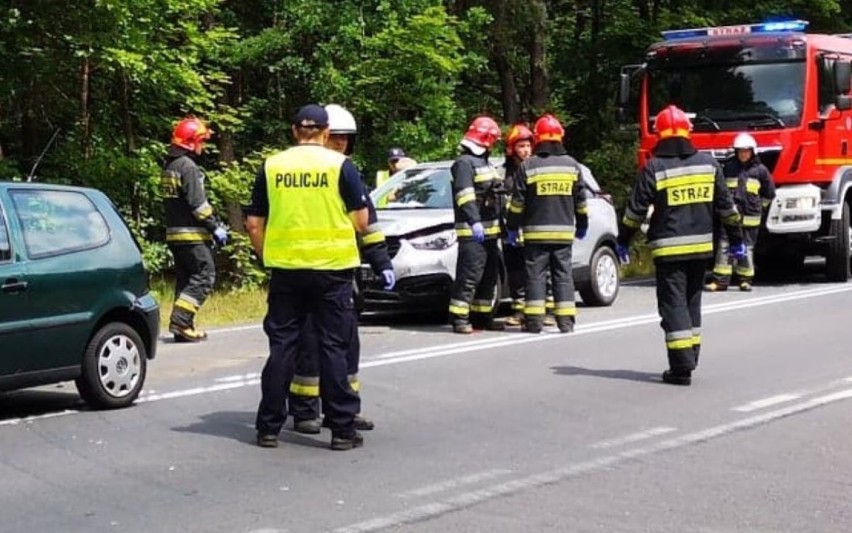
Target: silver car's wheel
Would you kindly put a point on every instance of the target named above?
(603, 284)
(114, 367)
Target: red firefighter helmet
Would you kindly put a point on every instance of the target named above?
(672, 122)
(516, 134)
(483, 131)
(548, 128)
(190, 133)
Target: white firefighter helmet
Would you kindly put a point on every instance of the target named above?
(744, 141)
(340, 120)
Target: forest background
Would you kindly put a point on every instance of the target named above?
(109, 78)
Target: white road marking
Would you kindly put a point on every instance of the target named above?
(632, 438)
(238, 377)
(433, 510)
(26, 419)
(454, 483)
(469, 347)
(766, 402)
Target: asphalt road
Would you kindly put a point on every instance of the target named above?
(498, 432)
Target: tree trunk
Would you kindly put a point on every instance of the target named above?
(85, 117)
(539, 86)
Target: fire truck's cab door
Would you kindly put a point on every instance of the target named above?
(834, 126)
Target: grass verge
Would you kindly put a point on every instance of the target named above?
(221, 309)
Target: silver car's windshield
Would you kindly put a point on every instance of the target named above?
(416, 188)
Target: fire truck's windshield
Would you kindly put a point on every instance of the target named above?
(725, 97)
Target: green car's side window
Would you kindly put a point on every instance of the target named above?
(5, 245)
(58, 222)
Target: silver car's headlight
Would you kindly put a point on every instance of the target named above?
(437, 241)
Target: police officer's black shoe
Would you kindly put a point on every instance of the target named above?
(677, 378)
(265, 440)
(343, 443)
(309, 426)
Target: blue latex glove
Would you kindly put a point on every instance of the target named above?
(512, 237)
(220, 235)
(478, 232)
(389, 278)
(623, 254)
(581, 233)
(739, 251)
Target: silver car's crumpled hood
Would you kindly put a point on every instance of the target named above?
(402, 222)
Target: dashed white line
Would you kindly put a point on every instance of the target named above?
(433, 510)
(455, 483)
(767, 402)
(633, 437)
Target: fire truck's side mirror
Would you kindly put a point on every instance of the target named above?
(842, 77)
(624, 89)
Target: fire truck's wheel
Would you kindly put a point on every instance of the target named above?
(837, 259)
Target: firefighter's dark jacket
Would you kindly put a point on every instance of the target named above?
(549, 197)
(751, 185)
(476, 195)
(687, 189)
(189, 216)
(374, 248)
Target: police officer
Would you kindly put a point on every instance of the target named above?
(752, 188)
(477, 216)
(549, 207)
(191, 227)
(518, 143)
(686, 188)
(305, 387)
(307, 204)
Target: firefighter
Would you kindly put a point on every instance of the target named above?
(191, 227)
(751, 186)
(307, 204)
(549, 207)
(518, 143)
(476, 185)
(305, 387)
(687, 189)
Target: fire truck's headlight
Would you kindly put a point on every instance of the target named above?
(800, 203)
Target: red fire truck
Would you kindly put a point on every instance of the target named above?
(791, 91)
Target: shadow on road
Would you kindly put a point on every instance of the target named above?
(629, 375)
(24, 403)
(239, 426)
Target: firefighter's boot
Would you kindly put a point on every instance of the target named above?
(716, 286)
(310, 426)
(187, 334)
(680, 377)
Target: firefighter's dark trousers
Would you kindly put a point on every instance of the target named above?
(195, 274)
(477, 274)
(513, 258)
(555, 258)
(329, 297)
(679, 289)
(725, 266)
(305, 387)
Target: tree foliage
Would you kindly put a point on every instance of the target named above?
(112, 76)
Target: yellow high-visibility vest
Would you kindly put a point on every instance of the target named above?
(308, 227)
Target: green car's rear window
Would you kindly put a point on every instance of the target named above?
(58, 222)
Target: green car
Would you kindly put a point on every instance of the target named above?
(74, 299)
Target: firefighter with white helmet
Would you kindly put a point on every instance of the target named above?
(305, 387)
(751, 186)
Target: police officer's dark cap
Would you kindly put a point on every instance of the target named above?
(311, 116)
(395, 153)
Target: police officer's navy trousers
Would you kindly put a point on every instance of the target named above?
(679, 289)
(195, 274)
(477, 274)
(556, 258)
(292, 296)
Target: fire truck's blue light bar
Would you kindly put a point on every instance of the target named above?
(745, 29)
